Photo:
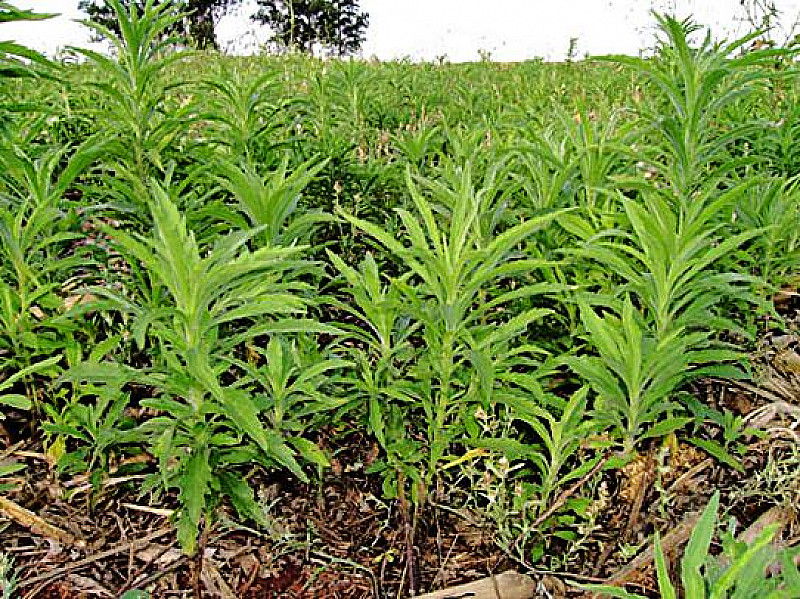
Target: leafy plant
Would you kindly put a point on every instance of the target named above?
(271, 203)
(741, 570)
(198, 24)
(730, 445)
(634, 373)
(669, 265)
(454, 264)
(669, 260)
(133, 93)
(770, 207)
(173, 280)
(36, 231)
(243, 111)
(524, 507)
(8, 578)
(17, 60)
(205, 427)
(695, 84)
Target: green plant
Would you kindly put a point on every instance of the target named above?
(730, 445)
(19, 400)
(297, 379)
(133, 94)
(36, 255)
(695, 85)
(202, 306)
(172, 280)
(451, 289)
(524, 507)
(96, 417)
(669, 265)
(245, 112)
(271, 203)
(8, 579)
(740, 572)
(197, 25)
(771, 207)
(633, 374)
(670, 260)
(17, 60)
(7, 481)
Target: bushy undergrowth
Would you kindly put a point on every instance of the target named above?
(512, 270)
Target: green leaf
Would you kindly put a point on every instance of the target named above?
(39, 367)
(740, 565)
(19, 402)
(607, 591)
(666, 427)
(10, 468)
(187, 533)
(717, 451)
(310, 451)
(697, 550)
(194, 485)
(665, 586)
(242, 497)
(510, 448)
(244, 412)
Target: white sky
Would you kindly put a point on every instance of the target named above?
(426, 29)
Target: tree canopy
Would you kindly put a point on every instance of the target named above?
(339, 26)
(198, 26)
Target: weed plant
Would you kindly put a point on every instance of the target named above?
(501, 270)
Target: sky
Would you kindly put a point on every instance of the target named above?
(459, 30)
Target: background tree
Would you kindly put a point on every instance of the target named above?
(198, 26)
(337, 25)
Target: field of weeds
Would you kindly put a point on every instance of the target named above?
(282, 327)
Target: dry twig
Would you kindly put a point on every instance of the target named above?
(121, 548)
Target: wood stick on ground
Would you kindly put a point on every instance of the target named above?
(675, 537)
(8, 451)
(685, 478)
(408, 530)
(643, 484)
(214, 582)
(778, 514)
(82, 479)
(440, 573)
(36, 524)
(508, 585)
(122, 547)
(199, 561)
(149, 579)
(764, 393)
(166, 513)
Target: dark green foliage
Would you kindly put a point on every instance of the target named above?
(337, 25)
(198, 22)
(743, 570)
(499, 275)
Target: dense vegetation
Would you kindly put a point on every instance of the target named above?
(506, 276)
(337, 26)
